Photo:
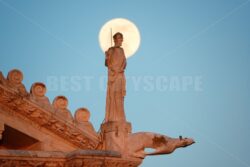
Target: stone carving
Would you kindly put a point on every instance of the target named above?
(127, 148)
(137, 142)
(7, 163)
(116, 64)
(78, 158)
(106, 159)
(121, 164)
(1, 129)
(116, 131)
(60, 104)
(29, 163)
(114, 135)
(2, 79)
(18, 106)
(82, 116)
(94, 162)
(38, 91)
(14, 81)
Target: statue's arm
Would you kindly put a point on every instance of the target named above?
(107, 58)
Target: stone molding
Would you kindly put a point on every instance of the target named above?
(22, 105)
(77, 158)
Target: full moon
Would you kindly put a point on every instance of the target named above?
(131, 35)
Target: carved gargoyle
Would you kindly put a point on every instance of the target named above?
(138, 142)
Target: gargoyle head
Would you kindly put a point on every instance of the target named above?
(186, 141)
(166, 145)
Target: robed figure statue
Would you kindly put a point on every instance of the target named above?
(115, 61)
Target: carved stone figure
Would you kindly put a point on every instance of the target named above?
(116, 64)
(137, 142)
(82, 116)
(2, 79)
(38, 91)
(60, 104)
(1, 129)
(14, 81)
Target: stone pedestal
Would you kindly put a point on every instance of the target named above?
(115, 135)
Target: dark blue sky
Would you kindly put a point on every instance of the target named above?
(189, 77)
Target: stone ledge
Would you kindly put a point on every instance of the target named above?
(33, 154)
(100, 153)
(77, 158)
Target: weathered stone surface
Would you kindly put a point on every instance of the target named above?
(77, 158)
(60, 104)
(116, 131)
(14, 81)
(2, 79)
(37, 95)
(1, 129)
(82, 116)
(35, 133)
(116, 90)
(115, 135)
(29, 113)
(138, 142)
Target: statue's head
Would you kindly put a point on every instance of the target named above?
(15, 76)
(118, 39)
(60, 102)
(38, 89)
(82, 115)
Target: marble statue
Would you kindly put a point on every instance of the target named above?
(82, 116)
(60, 104)
(38, 91)
(116, 90)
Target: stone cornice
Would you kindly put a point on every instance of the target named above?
(22, 105)
(78, 158)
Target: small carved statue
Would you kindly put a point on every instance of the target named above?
(14, 81)
(2, 79)
(82, 116)
(38, 91)
(60, 104)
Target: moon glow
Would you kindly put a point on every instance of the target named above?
(131, 35)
